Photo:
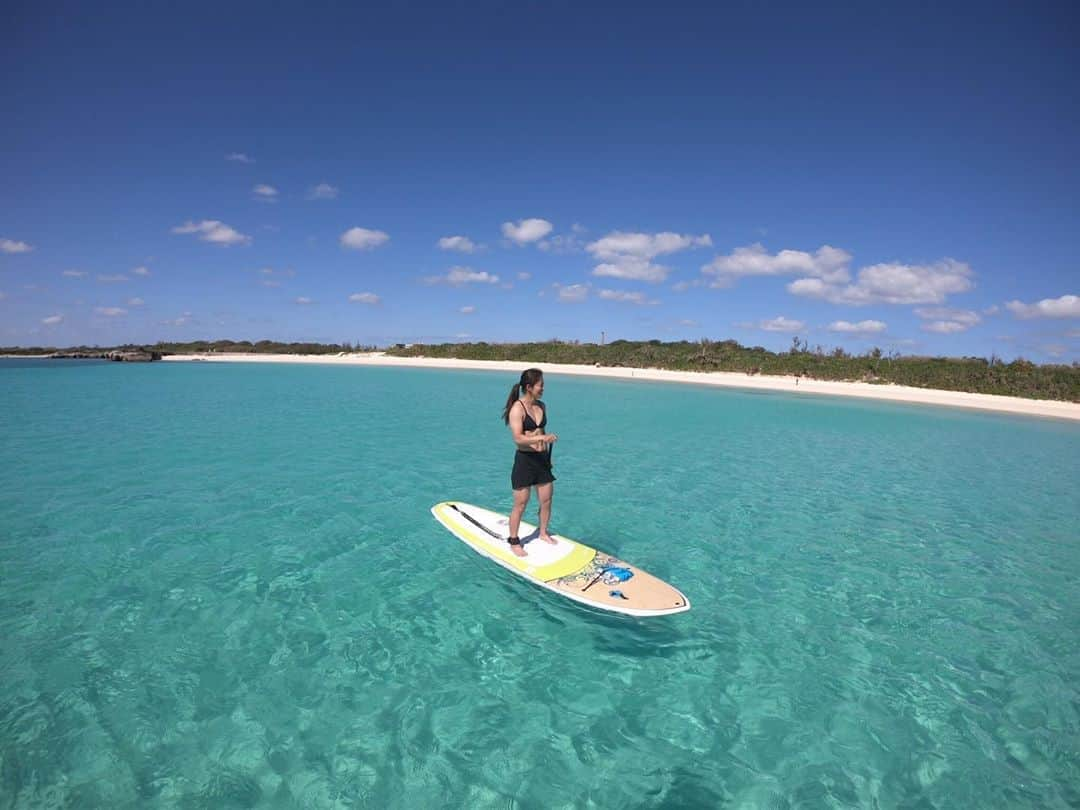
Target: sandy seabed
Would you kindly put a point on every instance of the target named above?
(891, 393)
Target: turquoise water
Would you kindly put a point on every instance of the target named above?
(220, 586)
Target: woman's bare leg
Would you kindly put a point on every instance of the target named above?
(521, 500)
(545, 491)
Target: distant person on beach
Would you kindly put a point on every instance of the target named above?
(526, 416)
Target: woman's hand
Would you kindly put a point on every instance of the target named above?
(539, 441)
(545, 441)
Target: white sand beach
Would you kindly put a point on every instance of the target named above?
(803, 386)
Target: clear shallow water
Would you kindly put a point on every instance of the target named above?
(220, 586)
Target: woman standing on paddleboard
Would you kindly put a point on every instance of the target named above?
(526, 416)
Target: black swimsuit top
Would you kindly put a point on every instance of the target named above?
(529, 419)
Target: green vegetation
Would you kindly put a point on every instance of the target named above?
(203, 346)
(260, 347)
(1020, 378)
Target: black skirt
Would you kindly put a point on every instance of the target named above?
(531, 469)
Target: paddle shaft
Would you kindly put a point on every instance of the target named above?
(595, 579)
(476, 522)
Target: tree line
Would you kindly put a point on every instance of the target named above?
(205, 346)
(1018, 378)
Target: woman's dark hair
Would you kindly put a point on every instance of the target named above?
(530, 376)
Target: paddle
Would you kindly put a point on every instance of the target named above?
(594, 580)
(476, 522)
(621, 575)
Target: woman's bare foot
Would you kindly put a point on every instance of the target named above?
(547, 538)
(518, 550)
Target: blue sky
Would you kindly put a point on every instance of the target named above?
(859, 175)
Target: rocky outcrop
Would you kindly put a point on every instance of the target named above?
(75, 355)
(134, 355)
(119, 355)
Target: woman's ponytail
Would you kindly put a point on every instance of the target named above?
(510, 400)
(530, 376)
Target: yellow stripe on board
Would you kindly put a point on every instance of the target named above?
(578, 557)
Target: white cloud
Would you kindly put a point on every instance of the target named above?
(239, 157)
(643, 245)
(363, 239)
(526, 230)
(946, 321)
(304, 301)
(115, 278)
(860, 328)
(633, 269)
(965, 316)
(572, 294)
(265, 193)
(213, 231)
(467, 310)
(944, 327)
(683, 286)
(625, 297)
(523, 276)
(781, 324)
(183, 320)
(629, 255)
(323, 191)
(364, 298)
(466, 275)
(809, 288)
(53, 320)
(992, 310)
(269, 282)
(891, 284)
(110, 312)
(135, 302)
(74, 273)
(618, 244)
(827, 263)
(463, 275)
(141, 271)
(1067, 306)
(561, 244)
(14, 246)
(462, 244)
(826, 275)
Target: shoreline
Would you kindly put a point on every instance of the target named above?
(1055, 409)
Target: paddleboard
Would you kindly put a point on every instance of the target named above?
(567, 567)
